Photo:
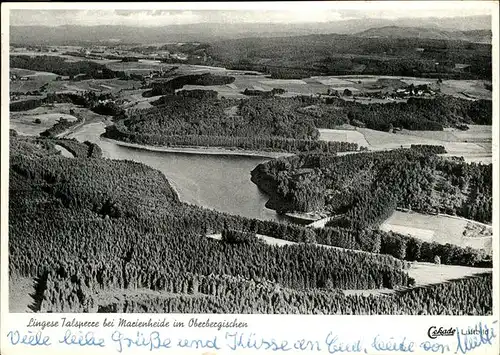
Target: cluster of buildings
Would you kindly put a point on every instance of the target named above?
(388, 94)
(15, 77)
(157, 73)
(420, 90)
(102, 52)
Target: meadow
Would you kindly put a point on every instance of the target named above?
(343, 135)
(474, 145)
(440, 229)
(309, 86)
(24, 121)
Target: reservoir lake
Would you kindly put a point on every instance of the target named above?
(220, 181)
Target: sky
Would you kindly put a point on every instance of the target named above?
(252, 13)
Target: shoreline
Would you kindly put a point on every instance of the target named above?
(199, 150)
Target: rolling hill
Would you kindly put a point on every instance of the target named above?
(208, 32)
(477, 36)
(341, 54)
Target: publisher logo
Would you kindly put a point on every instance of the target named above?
(435, 332)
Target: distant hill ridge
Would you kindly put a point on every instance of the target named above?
(477, 36)
(210, 32)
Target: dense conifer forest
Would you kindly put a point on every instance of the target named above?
(415, 114)
(363, 189)
(191, 120)
(85, 227)
(60, 66)
(282, 124)
(101, 103)
(168, 87)
(337, 54)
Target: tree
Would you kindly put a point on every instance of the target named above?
(309, 236)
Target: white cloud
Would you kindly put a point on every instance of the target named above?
(160, 14)
(161, 18)
(101, 17)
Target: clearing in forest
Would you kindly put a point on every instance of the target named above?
(441, 229)
(34, 124)
(341, 135)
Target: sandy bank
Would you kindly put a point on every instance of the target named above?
(200, 150)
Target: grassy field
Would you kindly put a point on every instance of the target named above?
(318, 85)
(134, 99)
(379, 140)
(268, 240)
(440, 229)
(23, 122)
(141, 67)
(260, 82)
(475, 134)
(340, 135)
(30, 73)
(428, 273)
(332, 81)
(309, 86)
(222, 90)
(473, 145)
(21, 290)
(454, 145)
(372, 100)
(53, 86)
(457, 88)
(35, 83)
(466, 89)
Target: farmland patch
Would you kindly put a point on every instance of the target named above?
(440, 229)
(428, 273)
(340, 135)
(472, 89)
(34, 124)
(331, 81)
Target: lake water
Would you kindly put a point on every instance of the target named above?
(220, 182)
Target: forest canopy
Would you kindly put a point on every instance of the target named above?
(339, 54)
(60, 66)
(131, 232)
(202, 120)
(363, 189)
(199, 118)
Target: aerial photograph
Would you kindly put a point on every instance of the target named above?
(329, 162)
